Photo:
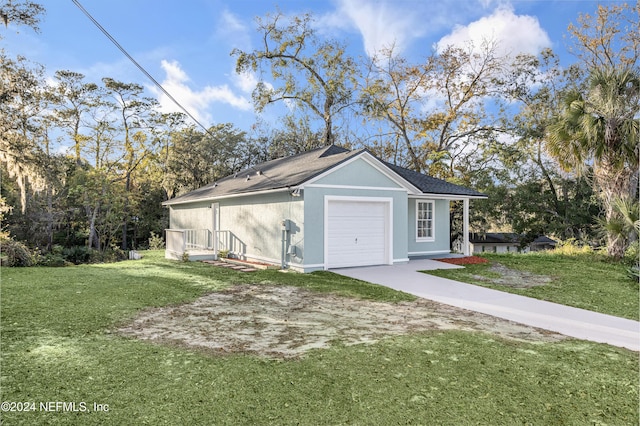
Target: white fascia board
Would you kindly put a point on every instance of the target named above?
(369, 188)
(375, 163)
(243, 194)
(452, 197)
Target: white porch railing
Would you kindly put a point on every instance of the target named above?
(197, 239)
(181, 240)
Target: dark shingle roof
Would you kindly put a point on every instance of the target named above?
(545, 240)
(279, 173)
(297, 169)
(431, 185)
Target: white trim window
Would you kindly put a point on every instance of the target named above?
(425, 230)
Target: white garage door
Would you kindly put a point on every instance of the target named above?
(357, 233)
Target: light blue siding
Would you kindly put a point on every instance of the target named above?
(191, 216)
(442, 227)
(351, 180)
(314, 214)
(358, 173)
(255, 222)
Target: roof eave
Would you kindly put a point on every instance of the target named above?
(438, 195)
(223, 197)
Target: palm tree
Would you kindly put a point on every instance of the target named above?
(599, 129)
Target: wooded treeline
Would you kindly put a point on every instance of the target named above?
(555, 147)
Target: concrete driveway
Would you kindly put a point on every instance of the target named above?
(573, 322)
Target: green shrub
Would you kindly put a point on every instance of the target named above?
(156, 242)
(109, 255)
(14, 253)
(632, 258)
(572, 247)
(77, 254)
(632, 254)
(115, 254)
(52, 259)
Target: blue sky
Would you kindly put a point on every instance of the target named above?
(186, 45)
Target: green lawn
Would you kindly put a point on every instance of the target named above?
(582, 281)
(56, 345)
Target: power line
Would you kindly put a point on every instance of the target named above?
(150, 77)
(140, 67)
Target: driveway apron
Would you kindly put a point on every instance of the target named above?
(573, 322)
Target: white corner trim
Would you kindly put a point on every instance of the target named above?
(306, 265)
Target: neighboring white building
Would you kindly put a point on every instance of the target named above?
(504, 242)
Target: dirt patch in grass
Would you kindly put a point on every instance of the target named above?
(513, 278)
(286, 322)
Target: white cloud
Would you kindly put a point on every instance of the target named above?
(382, 24)
(234, 31)
(386, 23)
(514, 33)
(196, 102)
(246, 81)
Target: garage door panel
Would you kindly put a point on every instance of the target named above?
(357, 233)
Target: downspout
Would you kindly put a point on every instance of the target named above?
(286, 227)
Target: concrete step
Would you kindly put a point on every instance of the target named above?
(228, 265)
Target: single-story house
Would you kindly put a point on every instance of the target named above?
(326, 208)
(505, 242)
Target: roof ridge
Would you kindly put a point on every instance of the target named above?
(287, 172)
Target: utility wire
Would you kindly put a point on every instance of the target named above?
(149, 76)
(140, 67)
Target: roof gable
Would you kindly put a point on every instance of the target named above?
(362, 170)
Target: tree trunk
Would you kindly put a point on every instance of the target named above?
(328, 129)
(49, 217)
(94, 241)
(125, 210)
(612, 183)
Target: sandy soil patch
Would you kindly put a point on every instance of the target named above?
(513, 278)
(286, 322)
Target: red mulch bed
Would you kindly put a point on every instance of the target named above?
(469, 260)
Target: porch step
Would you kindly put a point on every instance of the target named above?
(249, 264)
(240, 268)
